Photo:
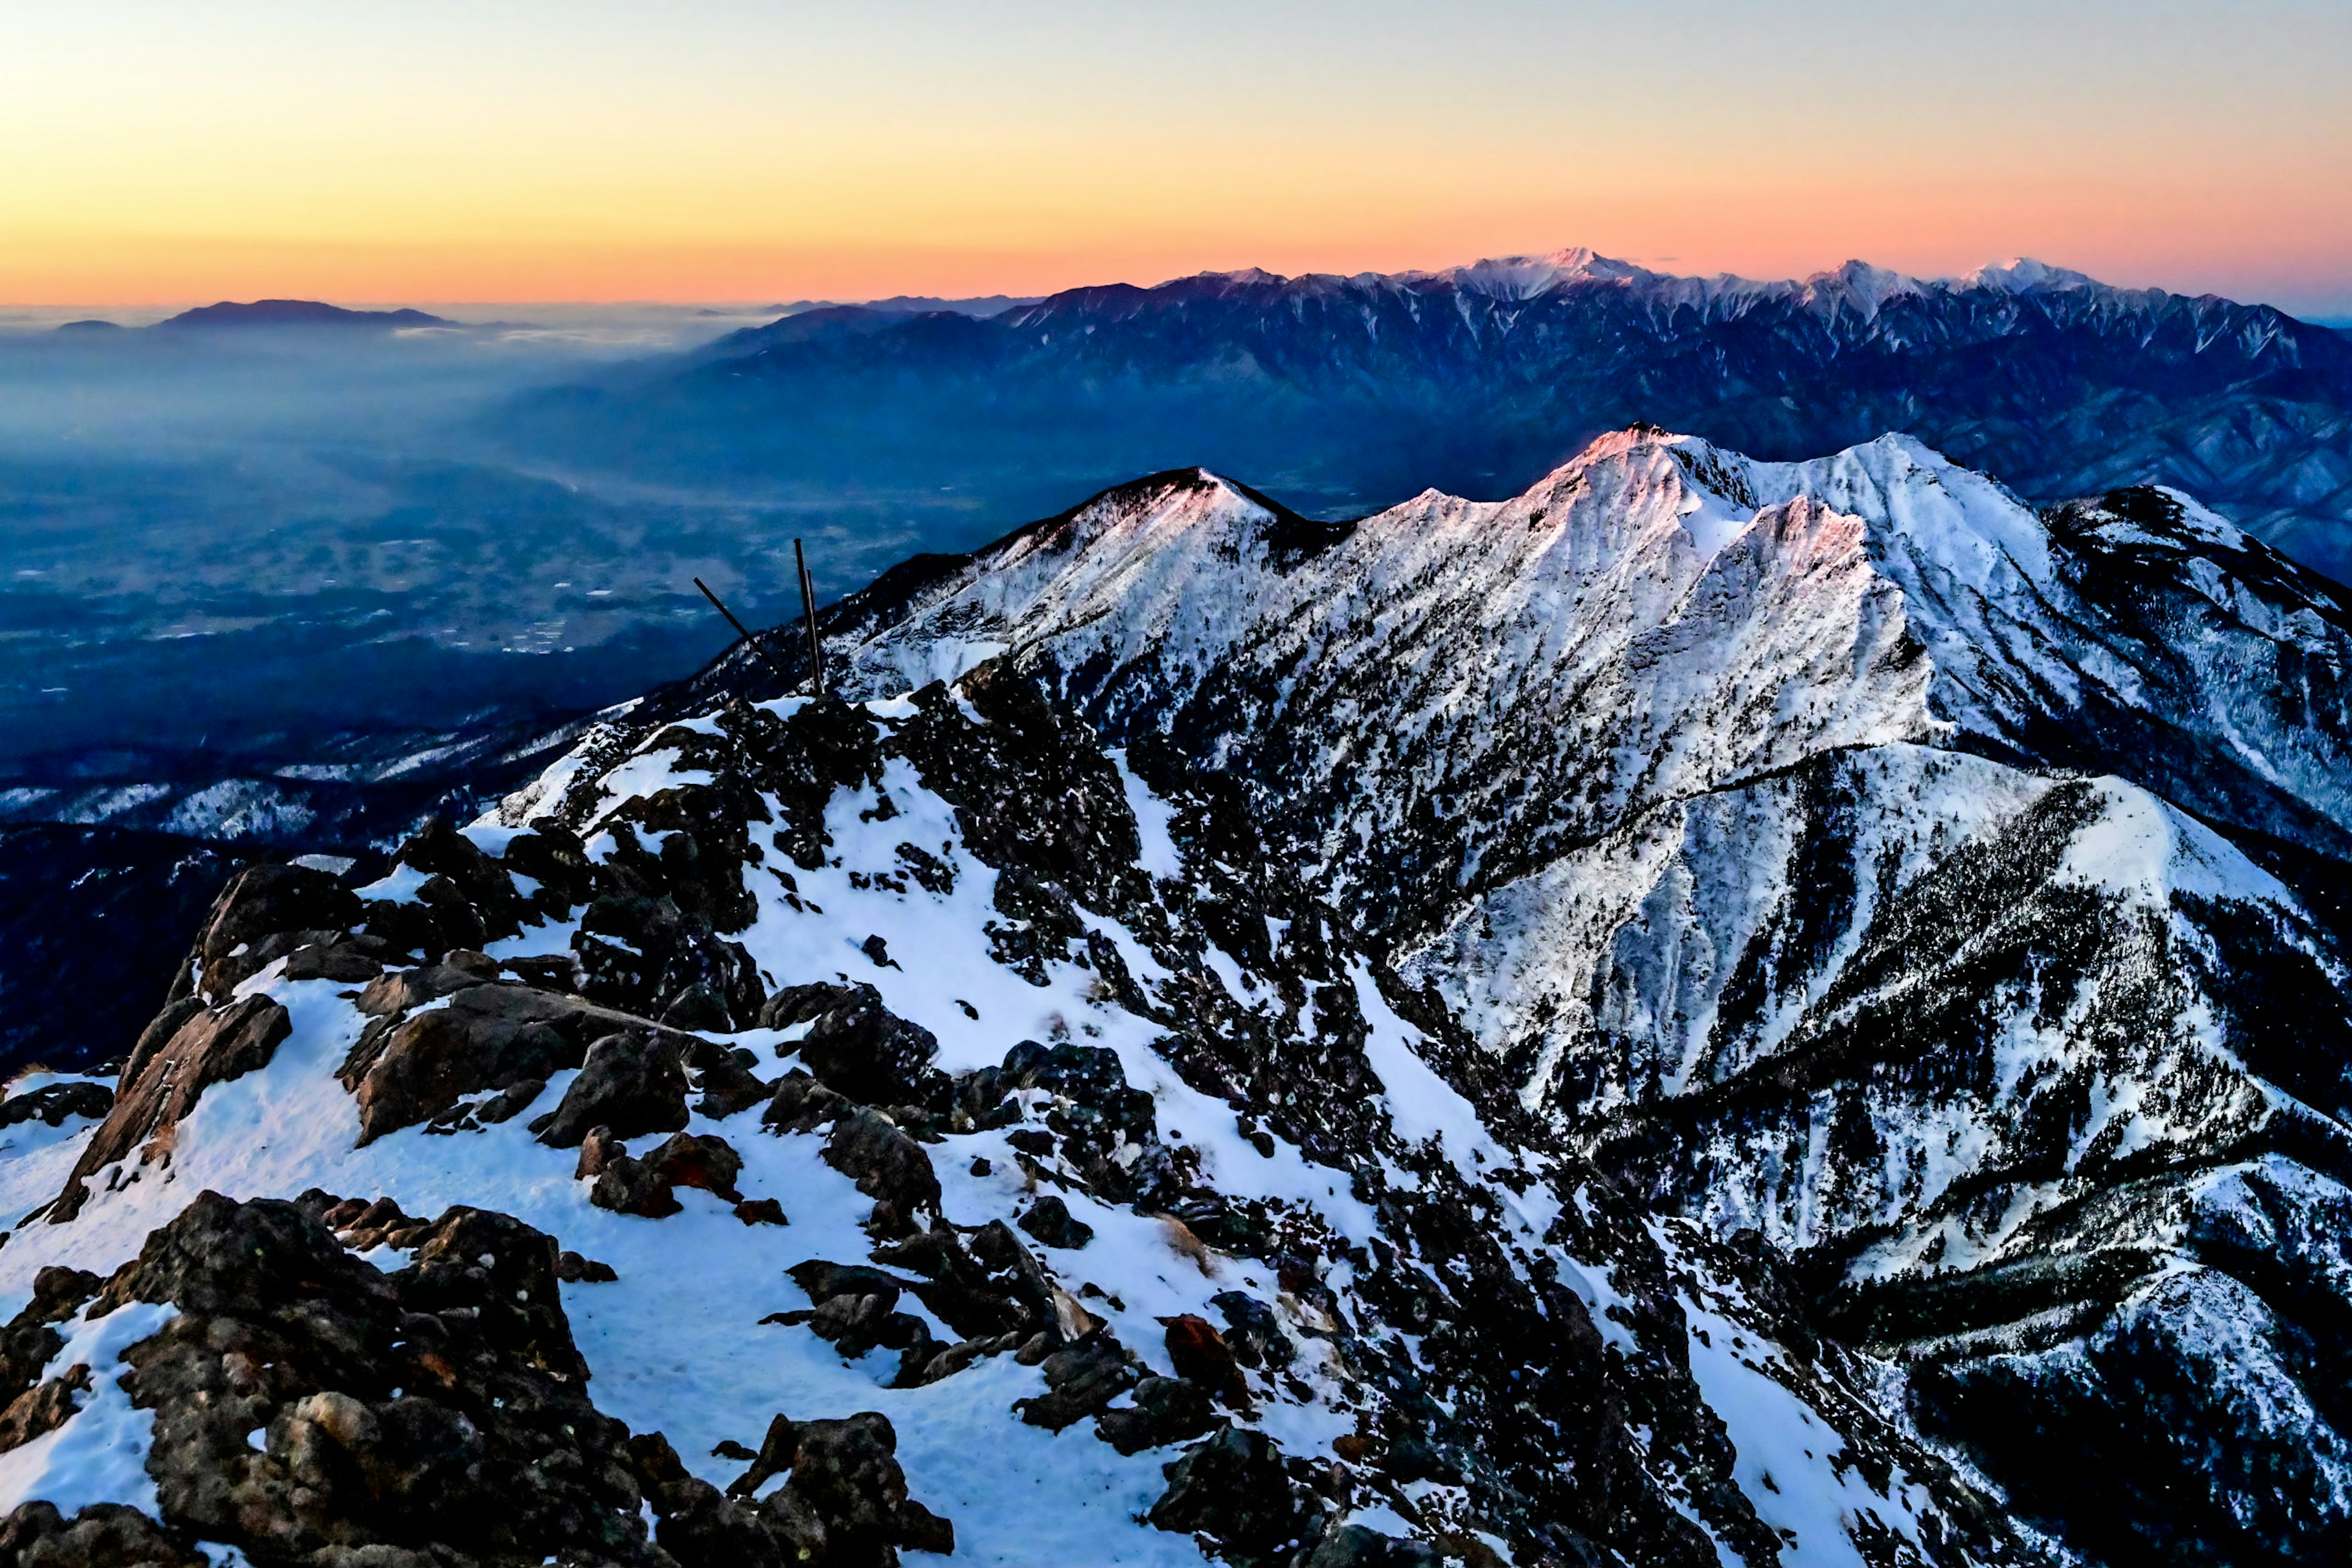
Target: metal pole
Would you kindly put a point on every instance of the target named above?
(808, 612)
(742, 631)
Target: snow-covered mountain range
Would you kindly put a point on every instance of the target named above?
(1345, 393)
(1712, 1011)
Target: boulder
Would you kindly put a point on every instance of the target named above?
(1165, 1410)
(859, 1047)
(1050, 1221)
(633, 1083)
(698, 1159)
(308, 1406)
(1237, 1488)
(887, 1166)
(1200, 1356)
(1080, 1381)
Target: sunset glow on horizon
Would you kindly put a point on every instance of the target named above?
(735, 152)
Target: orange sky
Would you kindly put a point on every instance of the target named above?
(755, 152)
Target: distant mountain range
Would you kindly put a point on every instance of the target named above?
(1340, 394)
(295, 314)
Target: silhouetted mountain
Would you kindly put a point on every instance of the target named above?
(299, 313)
(1344, 393)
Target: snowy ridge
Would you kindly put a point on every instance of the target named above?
(1424, 1305)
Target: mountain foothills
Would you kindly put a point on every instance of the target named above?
(1346, 393)
(1713, 1011)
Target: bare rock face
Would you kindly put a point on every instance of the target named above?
(259, 903)
(307, 1406)
(210, 1047)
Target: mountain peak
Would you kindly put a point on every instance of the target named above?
(299, 313)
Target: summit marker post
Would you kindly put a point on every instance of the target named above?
(808, 613)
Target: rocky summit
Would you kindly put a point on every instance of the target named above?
(1711, 1012)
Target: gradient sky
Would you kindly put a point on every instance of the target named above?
(722, 150)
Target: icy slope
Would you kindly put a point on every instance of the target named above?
(1124, 1194)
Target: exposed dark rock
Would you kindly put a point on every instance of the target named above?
(633, 1083)
(1353, 1546)
(725, 1079)
(1165, 1410)
(260, 902)
(102, 1535)
(574, 1270)
(860, 1048)
(801, 1104)
(1240, 1491)
(43, 1409)
(1200, 1356)
(490, 1447)
(698, 1159)
(1050, 1221)
(1080, 1380)
(885, 1163)
(52, 1103)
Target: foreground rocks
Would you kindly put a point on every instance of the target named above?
(310, 1408)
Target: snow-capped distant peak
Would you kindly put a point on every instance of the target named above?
(1526, 277)
(2023, 274)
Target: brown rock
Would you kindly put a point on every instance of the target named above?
(211, 1047)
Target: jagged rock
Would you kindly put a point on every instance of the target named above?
(725, 1079)
(862, 1049)
(43, 1409)
(1353, 1546)
(30, 1341)
(1165, 1410)
(52, 1103)
(102, 1535)
(647, 1187)
(658, 954)
(843, 1505)
(698, 1159)
(1239, 1491)
(489, 1448)
(887, 1166)
(340, 961)
(760, 1211)
(259, 902)
(1080, 1381)
(633, 1084)
(801, 1104)
(1200, 1356)
(868, 1053)
(1254, 1334)
(777, 1450)
(210, 1047)
(1050, 1221)
(626, 1185)
(400, 990)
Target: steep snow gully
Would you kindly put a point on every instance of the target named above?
(1712, 1012)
